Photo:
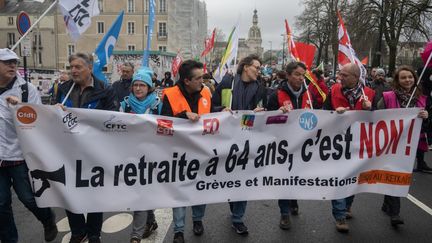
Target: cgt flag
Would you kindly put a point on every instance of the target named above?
(177, 61)
(209, 43)
(105, 48)
(346, 53)
(77, 15)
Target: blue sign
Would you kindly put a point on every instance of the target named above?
(308, 121)
(23, 22)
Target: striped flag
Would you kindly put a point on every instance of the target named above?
(229, 55)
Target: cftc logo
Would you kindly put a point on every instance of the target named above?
(210, 126)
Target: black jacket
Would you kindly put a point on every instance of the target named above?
(273, 102)
(100, 96)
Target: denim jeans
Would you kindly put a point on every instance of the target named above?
(79, 226)
(285, 206)
(179, 215)
(17, 176)
(238, 210)
(140, 219)
(340, 207)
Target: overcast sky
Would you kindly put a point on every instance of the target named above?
(224, 14)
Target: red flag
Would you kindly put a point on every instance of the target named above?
(175, 65)
(290, 41)
(365, 61)
(306, 53)
(205, 68)
(346, 53)
(209, 43)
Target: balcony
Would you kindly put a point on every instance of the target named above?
(162, 36)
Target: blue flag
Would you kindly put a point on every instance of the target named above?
(106, 47)
(145, 60)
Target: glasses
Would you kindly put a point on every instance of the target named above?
(10, 62)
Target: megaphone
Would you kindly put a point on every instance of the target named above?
(57, 176)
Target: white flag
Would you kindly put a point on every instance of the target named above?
(77, 15)
(229, 55)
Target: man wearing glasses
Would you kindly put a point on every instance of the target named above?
(13, 168)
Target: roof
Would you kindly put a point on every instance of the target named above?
(31, 7)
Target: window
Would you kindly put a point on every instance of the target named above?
(71, 49)
(146, 29)
(162, 6)
(162, 29)
(131, 47)
(10, 20)
(100, 27)
(146, 6)
(11, 39)
(40, 57)
(162, 48)
(131, 28)
(36, 40)
(100, 5)
(131, 6)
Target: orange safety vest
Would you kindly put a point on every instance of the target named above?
(179, 103)
(339, 100)
(285, 99)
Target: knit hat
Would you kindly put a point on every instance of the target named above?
(143, 74)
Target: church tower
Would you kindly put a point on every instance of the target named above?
(254, 40)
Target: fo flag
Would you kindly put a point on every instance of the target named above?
(77, 15)
(177, 61)
(346, 53)
(209, 43)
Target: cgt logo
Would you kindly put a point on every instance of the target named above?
(210, 126)
(113, 125)
(165, 127)
(26, 115)
(247, 121)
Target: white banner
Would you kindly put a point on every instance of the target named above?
(92, 160)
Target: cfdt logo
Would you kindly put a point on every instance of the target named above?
(26, 115)
(113, 125)
(165, 127)
(308, 121)
(247, 121)
(210, 126)
(70, 120)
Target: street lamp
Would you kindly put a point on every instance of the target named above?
(271, 53)
(283, 50)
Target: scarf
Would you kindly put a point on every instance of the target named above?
(403, 98)
(243, 94)
(353, 94)
(142, 106)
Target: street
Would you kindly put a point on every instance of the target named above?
(313, 224)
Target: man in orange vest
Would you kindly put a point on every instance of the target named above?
(349, 94)
(188, 99)
(291, 94)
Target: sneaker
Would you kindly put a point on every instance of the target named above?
(342, 226)
(94, 240)
(178, 237)
(135, 240)
(396, 220)
(295, 211)
(50, 229)
(198, 227)
(78, 239)
(240, 228)
(285, 222)
(348, 213)
(149, 229)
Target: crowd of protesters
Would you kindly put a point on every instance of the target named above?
(196, 93)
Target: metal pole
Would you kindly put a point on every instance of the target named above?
(25, 69)
(34, 25)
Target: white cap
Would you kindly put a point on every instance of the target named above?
(7, 54)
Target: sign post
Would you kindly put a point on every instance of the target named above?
(23, 25)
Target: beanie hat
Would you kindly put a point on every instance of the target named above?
(143, 74)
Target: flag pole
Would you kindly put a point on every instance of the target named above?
(419, 79)
(34, 25)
